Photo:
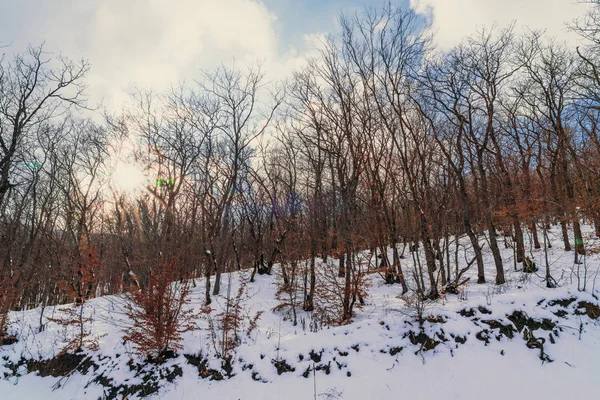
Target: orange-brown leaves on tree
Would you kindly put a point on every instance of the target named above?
(158, 310)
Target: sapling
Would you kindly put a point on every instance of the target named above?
(158, 310)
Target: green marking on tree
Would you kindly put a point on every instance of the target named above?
(32, 165)
(165, 182)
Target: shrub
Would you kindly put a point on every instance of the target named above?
(157, 311)
(79, 286)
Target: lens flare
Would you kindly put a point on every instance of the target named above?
(128, 178)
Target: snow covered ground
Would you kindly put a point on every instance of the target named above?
(373, 357)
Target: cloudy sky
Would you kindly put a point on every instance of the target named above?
(153, 43)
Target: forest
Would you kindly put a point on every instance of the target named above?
(382, 145)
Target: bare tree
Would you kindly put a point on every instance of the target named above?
(32, 92)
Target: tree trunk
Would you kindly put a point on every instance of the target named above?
(477, 250)
(520, 245)
(347, 284)
(398, 268)
(534, 233)
(490, 224)
(429, 257)
(565, 234)
(495, 250)
(579, 247)
(207, 299)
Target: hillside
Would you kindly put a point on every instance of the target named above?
(519, 341)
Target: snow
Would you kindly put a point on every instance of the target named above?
(503, 369)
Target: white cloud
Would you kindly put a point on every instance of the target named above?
(455, 19)
(156, 43)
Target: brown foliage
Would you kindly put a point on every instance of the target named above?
(8, 296)
(79, 285)
(158, 311)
